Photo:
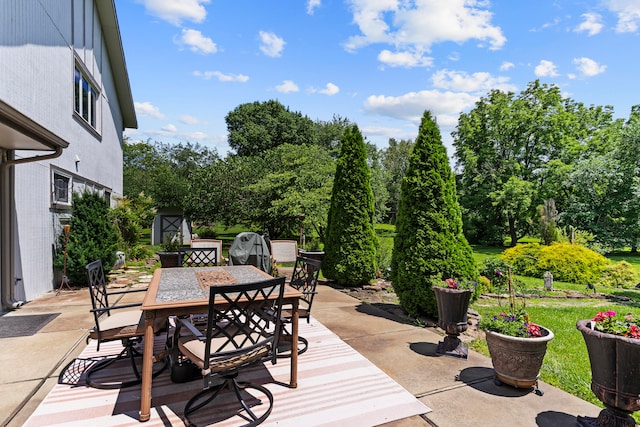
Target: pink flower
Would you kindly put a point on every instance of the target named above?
(534, 330)
(634, 331)
(601, 317)
(451, 283)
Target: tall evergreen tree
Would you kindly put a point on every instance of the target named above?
(429, 243)
(350, 242)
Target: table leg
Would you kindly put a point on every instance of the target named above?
(147, 368)
(294, 345)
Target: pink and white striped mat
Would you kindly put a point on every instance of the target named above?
(336, 387)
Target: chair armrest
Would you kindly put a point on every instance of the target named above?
(129, 291)
(114, 307)
(192, 329)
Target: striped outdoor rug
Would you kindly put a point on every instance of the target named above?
(336, 387)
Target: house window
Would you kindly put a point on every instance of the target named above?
(85, 97)
(61, 189)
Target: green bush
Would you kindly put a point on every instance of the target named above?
(618, 275)
(206, 232)
(384, 257)
(524, 259)
(484, 285)
(571, 263)
(495, 271)
(92, 236)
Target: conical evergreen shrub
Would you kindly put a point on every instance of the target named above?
(350, 240)
(92, 236)
(429, 244)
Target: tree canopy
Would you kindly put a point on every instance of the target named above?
(520, 148)
(257, 127)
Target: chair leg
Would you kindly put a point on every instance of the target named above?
(128, 352)
(206, 396)
(285, 336)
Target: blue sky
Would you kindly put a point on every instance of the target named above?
(379, 63)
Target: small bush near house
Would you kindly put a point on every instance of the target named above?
(92, 237)
(618, 275)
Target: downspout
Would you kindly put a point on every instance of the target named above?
(7, 204)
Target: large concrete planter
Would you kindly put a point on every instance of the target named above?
(452, 318)
(615, 376)
(517, 361)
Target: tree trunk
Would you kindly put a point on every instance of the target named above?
(512, 231)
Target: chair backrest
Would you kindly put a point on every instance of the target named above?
(305, 278)
(97, 287)
(243, 324)
(209, 243)
(284, 250)
(197, 257)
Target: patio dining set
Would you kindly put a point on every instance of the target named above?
(220, 317)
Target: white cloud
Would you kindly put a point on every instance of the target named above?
(271, 44)
(170, 128)
(221, 76)
(476, 82)
(312, 5)
(506, 66)
(176, 11)
(546, 69)
(591, 24)
(588, 67)
(412, 105)
(404, 59)
(422, 23)
(628, 12)
(287, 86)
(189, 120)
(148, 109)
(330, 89)
(197, 42)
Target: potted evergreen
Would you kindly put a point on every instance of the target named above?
(517, 345)
(613, 343)
(169, 255)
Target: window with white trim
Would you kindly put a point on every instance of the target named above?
(62, 186)
(85, 97)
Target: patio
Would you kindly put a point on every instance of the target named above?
(458, 392)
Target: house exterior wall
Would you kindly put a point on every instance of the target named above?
(41, 43)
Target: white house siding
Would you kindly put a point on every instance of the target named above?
(39, 43)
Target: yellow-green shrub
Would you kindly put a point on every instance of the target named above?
(571, 263)
(618, 275)
(524, 259)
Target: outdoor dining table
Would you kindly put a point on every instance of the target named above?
(184, 291)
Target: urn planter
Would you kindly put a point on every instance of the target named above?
(452, 318)
(169, 259)
(517, 360)
(615, 376)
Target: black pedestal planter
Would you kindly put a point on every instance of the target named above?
(452, 317)
(615, 376)
(169, 259)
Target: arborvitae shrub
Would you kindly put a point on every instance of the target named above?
(524, 259)
(618, 275)
(429, 244)
(92, 236)
(350, 240)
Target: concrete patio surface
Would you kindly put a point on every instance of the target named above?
(459, 392)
